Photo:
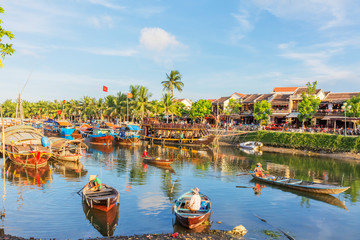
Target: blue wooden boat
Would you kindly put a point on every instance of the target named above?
(191, 219)
(128, 135)
(302, 185)
(58, 128)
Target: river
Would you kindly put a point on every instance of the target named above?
(44, 203)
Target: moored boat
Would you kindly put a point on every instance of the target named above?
(26, 146)
(302, 185)
(128, 135)
(251, 145)
(99, 136)
(178, 134)
(66, 150)
(158, 161)
(103, 199)
(191, 219)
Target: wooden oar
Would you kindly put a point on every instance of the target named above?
(287, 235)
(82, 188)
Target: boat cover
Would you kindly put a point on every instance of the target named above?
(134, 127)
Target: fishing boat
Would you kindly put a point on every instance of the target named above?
(191, 219)
(66, 150)
(103, 199)
(128, 135)
(60, 128)
(302, 185)
(251, 145)
(95, 135)
(26, 146)
(104, 222)
(177, 134)
(158, 161)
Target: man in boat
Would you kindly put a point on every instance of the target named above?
(94, 183)
(145, 154)
(259, 171)
(195, 200)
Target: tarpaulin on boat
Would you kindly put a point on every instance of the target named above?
(134, 127)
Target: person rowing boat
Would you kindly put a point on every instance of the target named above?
(259, 171)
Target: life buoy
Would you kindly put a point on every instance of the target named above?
(190, 141)
(180, 140)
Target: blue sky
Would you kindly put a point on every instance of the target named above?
(71, 48)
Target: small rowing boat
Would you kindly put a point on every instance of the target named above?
(251, 145)
(302, 185)
(191, 219)
(158, 161)
(103, 199)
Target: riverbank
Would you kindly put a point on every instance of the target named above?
(212, 234)
(319, 145)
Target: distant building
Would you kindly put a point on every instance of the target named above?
(187, 102)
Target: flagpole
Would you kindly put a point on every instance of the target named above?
(127, 109)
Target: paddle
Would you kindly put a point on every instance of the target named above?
(82, 189)
(287, 235)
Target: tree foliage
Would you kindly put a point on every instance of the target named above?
(200, 109)
(262, 111)
(173, 82)
(233, 107)
(309, 104)
(354, 102)
(5, 48)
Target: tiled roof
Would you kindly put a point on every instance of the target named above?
(221, 100)
(300, 90)
(250, 98)
(340, 97)
(285, 89)
(265, 97)
(240, 94)
(281, 99)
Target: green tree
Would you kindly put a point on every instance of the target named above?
(173, 81)
(354, 102)
(142, 104)
(5, 49)
(168, 105)
(262, 111)
(200, 109)
(309, 104)
(233, 107)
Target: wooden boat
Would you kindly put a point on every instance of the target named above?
(164, 167)
(24, 146)
(103, 199)
(158, 161)
(251, 145)
(128, 135)
(66, 150)
(99, 136)
(104, 222)
(58, 128)
(302, 185)
(177, 134)
(190, 219)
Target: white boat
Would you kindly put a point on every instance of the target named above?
(251, 145)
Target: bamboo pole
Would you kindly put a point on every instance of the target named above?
(3, 137)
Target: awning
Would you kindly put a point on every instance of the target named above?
(134, 127)
(293, 115)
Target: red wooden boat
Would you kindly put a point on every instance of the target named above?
(158, 161)
(24, 146)
(98, 136)
(191, 219)
(103, 199)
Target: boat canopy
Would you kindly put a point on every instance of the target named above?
(20, 133)
(134, 127)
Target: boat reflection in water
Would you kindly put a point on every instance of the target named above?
(69, 169)
(163, 167)
(101, 148)
(104, 222)
(19, 175)
(202, 228)
(327, 198)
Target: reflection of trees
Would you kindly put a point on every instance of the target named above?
(167, 185)
(137, 175)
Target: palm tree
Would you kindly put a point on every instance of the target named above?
(168, 106)
(173, 81)
(142, 103)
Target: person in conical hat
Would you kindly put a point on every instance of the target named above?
(195, 200)
(94, 183)
(259, 171)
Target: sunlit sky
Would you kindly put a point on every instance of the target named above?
(71, 48)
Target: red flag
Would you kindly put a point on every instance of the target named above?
(59, 112)
(64, 101)
(129, 95)
(105, 88)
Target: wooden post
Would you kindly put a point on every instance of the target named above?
(3, 136)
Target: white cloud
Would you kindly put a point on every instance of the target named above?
(157, 39)
(108, 4)
(109, 52)
(323, 13)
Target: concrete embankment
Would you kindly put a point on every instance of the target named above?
(310, 144)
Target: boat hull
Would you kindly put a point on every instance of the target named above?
(304, 185)
(105, 140)
(155, 161)
(68, 158)
(187, 218)
(128, 141)
(29, 159)
(204, 141)
(103, 200)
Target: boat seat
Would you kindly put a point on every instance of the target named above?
(282, 180)
(184, 210)
(295, 182)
